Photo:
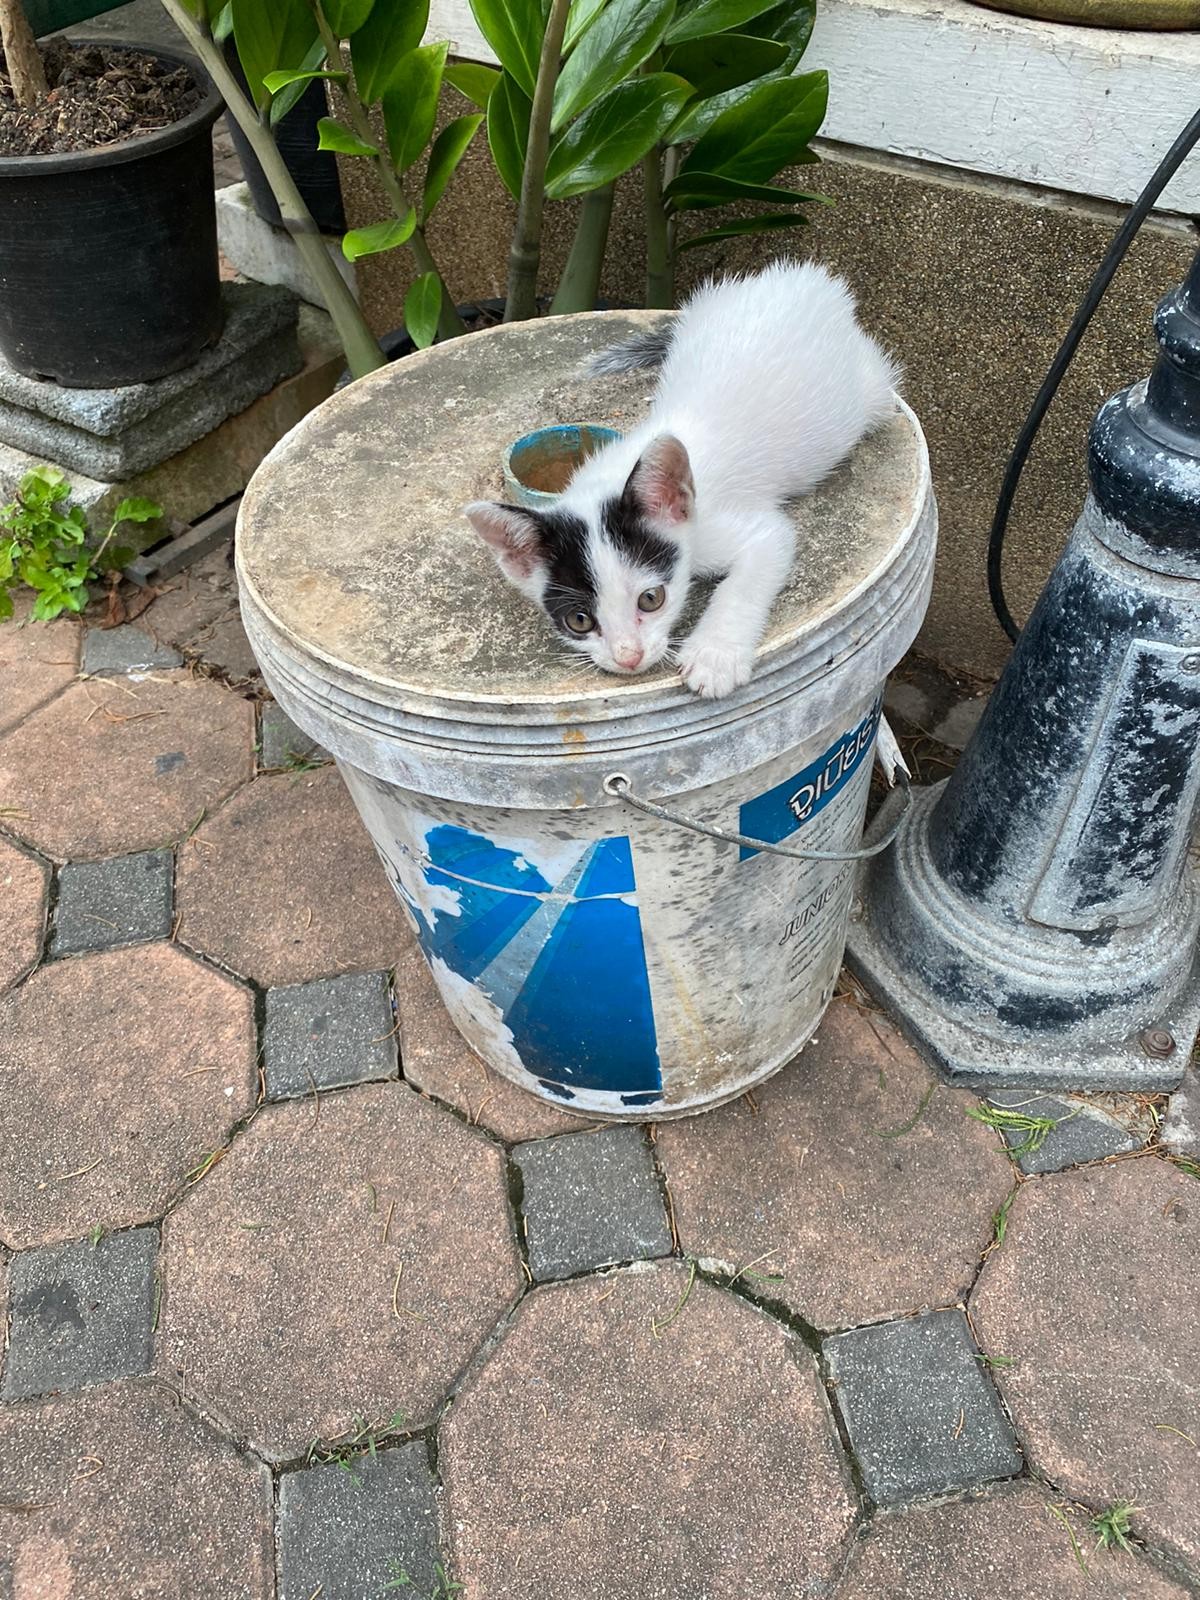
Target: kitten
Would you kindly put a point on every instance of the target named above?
(767, 383)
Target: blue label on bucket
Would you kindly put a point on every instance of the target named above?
(780, 811)
(560, 963)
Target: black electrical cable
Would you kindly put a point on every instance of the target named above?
(1113, 257)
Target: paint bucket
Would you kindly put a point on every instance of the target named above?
(599, 956)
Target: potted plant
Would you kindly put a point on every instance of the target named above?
(108, 240)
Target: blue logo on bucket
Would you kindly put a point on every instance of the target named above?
(780, 811)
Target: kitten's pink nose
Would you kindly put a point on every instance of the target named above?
(628, 656)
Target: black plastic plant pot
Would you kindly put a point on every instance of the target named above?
(108, 258)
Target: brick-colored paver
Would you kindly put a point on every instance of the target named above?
(282, 1307)
(199, 614)
(1092, 1297)
(121, 1491)
(1008, 1544)
(37, 659)
(118, 1071)
(23, 883)
(283, 884)
(437, 1059)
(628, 1437)
(114, 766)
(859, 1184)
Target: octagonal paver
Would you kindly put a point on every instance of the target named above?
(860, 1188)
(118, 1072)
(23, 883)
(345, 1260)
(283, 884)
(630, 1436)
(114, 766)
(1009, 1544)
(122, 1492)
(1092, 1297)
(37, 659)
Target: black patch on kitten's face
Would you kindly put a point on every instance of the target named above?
(625, 524)
(570, 584)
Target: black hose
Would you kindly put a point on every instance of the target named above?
(1113, 257)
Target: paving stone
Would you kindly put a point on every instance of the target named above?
(628, 1436)
(124, 900)
(199, 614)
(111, 767)
(859, 1183)
(124, 1493)
(1092, 1297)
(437, 1059)
(281, 742)
(1011, 1542)
(284, 885)
(933, 702)
(23, 885)
(37, 660)
(282, 1307)
(591, 1199)
(348, 1534)
(1083, 1132)
(124, 649)
(81, 1313)
(329, 1033)
(1181, 1125)
(118, 1072)
(922, 1416)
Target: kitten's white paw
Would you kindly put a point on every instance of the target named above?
(715, 669)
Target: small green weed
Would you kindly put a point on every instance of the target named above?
(1035, 1129)
(43, 543)
(1111, 1527)
(363, 1441)
(996, 1361)
(1000, 1219)
(444, 1587)
(95, 1234)
(295, 761)
(1060, 1512)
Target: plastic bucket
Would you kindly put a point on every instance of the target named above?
(597, 956)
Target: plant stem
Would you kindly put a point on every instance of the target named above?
(26, 73)
(362, 352)
(526, 252)
(450, 324)
(660, 260)
(580, 282)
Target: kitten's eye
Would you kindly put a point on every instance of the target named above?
(652, 599)
(580, 622)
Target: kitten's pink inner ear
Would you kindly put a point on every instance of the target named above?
(511, 534)
(662, 480)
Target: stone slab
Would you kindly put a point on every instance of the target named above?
(125, 649)
(266, 254)
(922, 1417)
(329, 1033)
(591, 1199)
(644, 1433)
(930, 701)
(282, 743)
(81, 1313)
(197, 612)
(1181, 1125)
(1091, 1301)
(37, 659)
(1083, 1132)
(24, 882)
(345, 1532)
(123, 1492)
(124, 900)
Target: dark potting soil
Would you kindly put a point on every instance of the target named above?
(98, 97)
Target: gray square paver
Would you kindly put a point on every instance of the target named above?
(591, 1199)
(124, 900)
(125, 649)
(1081, 1133)
(81, 1313)
(327, 1033)
(349, 1532)
(922, 1415)
(283, 744)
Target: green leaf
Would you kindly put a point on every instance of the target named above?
(579, 19)
(286, 98)
(394, 28)
(137, 509)
(724, 60)
(514, 29)
(271, 37)
(713, 16)
(379, 236)
(614, 134)
(508, 115)
(448, 150)
(791, 24)
(6, 605)
(422, 306)
(333, 135)
(274, 81)
(410, 105)
(222, 24)
(472, 79)
(48, 483)
(693, 191)
(765, 132)
(620, 39)
(347, 16)
(768, 222)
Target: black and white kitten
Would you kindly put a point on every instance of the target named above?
(767, 383)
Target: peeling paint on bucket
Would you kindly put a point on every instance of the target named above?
(599, 957)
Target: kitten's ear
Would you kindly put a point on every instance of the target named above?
(512, 534)
(661, 483)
